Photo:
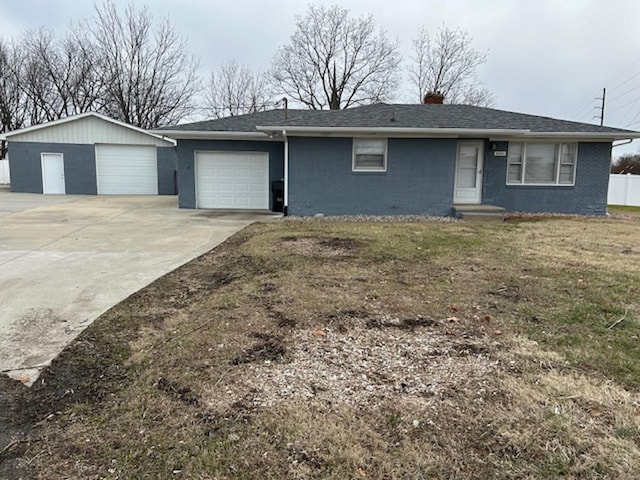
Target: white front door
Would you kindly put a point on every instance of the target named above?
(52, 173)
(468, 183)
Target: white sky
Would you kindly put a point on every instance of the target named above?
(546, 57)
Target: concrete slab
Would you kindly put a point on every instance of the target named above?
(66, 260)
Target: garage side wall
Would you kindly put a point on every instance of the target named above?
(186, 163)
(587, 197)
(26, 167)
(419, 178)
(167, 170)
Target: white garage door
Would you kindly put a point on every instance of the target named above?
(126, 169)
(232, 180)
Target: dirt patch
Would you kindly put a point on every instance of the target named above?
(15, 418)
(282, 320)
(300, 455)
(401, 323)
(268, 349)
(177, 391)
(326, 247)
(364, 366)
(508, 292)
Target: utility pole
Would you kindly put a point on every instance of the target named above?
(604, 95)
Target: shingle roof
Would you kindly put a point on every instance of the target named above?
(440, 116)
(383, 115)
(240, 123)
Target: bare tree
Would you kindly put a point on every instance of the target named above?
(627, 163)
(235, 90)
(448, 64)
(13, 103)
(14, 108)
(58, 76)
(125, 66)
(148, 78)
(334, 61)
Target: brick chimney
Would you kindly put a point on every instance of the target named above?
(433, 98)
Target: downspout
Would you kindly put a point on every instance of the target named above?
(626, 142)
(285, 207)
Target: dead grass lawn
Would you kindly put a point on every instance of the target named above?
(354, 350)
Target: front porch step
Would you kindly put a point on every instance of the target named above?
(479, 213)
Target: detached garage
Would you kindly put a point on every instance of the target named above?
(90, 154)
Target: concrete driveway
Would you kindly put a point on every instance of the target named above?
(64, 260)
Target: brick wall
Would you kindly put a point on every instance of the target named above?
(186, 150)
(419, 178)
(588, 196)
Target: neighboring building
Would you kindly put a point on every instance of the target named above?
(91, 154)
(5, 178)
(395, 159)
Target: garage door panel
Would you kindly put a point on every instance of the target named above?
(232, 180)
(126, 169)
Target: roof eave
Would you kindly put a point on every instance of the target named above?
(493, 134)
(611, 136)
(7, 136)
(395, 131)
(51, 123)
(215, 135)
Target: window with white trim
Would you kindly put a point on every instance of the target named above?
(369, 155)
(541, 163)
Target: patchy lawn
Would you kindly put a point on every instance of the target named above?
(624, 210)
(356, 350)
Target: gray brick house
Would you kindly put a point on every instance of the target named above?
(386, 159)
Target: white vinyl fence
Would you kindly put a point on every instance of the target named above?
(624, 190)
(4, 172)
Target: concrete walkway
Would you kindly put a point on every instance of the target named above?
(64, 260)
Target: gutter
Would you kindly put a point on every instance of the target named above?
(626, 142)
(432, 132)
(494, 134)
(586, 135)
(215, 135)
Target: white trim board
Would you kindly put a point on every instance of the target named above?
(16, 133)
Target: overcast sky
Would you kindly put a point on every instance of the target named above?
(545, 57)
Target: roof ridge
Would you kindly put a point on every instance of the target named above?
(412, 117)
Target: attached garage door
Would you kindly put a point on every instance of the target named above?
(126, 169)
(232, 180)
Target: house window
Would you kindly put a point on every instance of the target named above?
(369, 155)
(541, 163)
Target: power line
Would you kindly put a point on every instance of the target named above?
(625, 93)
(582, 109)
(629, 111)
(633, 120)
(616, 86)
(625, 82)
(630, 65)
(624, 105)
